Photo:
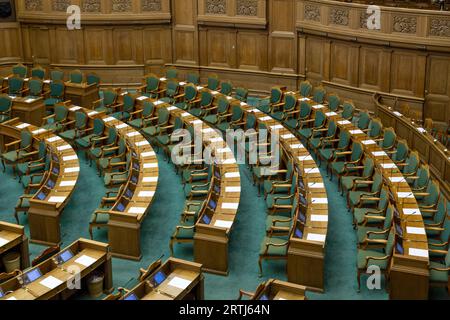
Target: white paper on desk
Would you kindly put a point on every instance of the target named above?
(379, 154)
(200, 88)
(223, 150)
(368, 142)
(70, 170)
(157, 103)
(314, 185)
(142, 143)
(142, 98)
(305, 158)
(171, 108)
(29, 100)
(344, 122)
(223, 224)
(414, 230)
(68, 183)
(185, 114)
(54, 139)
(229, 98)
(297, 146)
(215, 140)
(137, 210)
(412, 212)
(197, 122)
(70, 158)
(312, 170)
(150, 179)
(319, 200)
(421, 130)
(182, 83)
(233, 189)
(162, 79)
(232, 175)
(356, 131)
(230, 205)
(281, 299)
(229, 161)
(122, 126)
(47, 81)
(319, 218)
(133, 134)
(288, 136)
(26, 79)
(255, 110)
(3, 242)
(109, 119)
(265, 118)
(331, 114)
(304, 99)
(57, 199)
(389, 165)
(92, 113)
(318, 106)
(208, 130)
(397, 179)
(277, 127)
(418, 252)
(12, 298)
(179, 283)
(22, 126)
(124, 93)
(51, 282)
(85, 260)
(398, 114)
(150, 165)
(214, 93)
(64, 147)
(405, 195)
(39, 131)
(146, 194)
(316, 237)
(148, 154)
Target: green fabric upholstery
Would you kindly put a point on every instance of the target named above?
(129, 102)
(147, 112)
(5, 107)
(76, 76)
(20, 70)
(241, 94)
(389, 139)
(171, 91)
(57, 75)
(213, 82)
(171, 73)
(163, 119)
(334, 102)
(15, 85)
(152, 86)
(305, 88)
(273, 250)
(348, 111)
(319, 95)
(35, 86)
(92, 78)
(86, 141)
(193, 78)
(38, 73)
(364, 120)
(226, 88)
(290, 102)
(56, 93)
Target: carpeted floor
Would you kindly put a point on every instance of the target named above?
(248, 232)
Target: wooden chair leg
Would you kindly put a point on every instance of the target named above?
(16, 215)
(171, 246)
(90, 231)
(359, 280)
(260, 266)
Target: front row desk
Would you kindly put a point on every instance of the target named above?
(63, 275)
(13, 240)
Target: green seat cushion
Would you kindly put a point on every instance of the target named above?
(362, 254)
(291, 123)
(25, 203)
(314, 142)
(270, 201)
(136, 123)
(104, 162)
(121, 115)
(359, 214)
(268, 187)
(185, 234)
(278, 115)
(53, 127)
(223, 126)
(102, 218)
(22, 168)
(305, 133)
(362, 233)
(68, 135)
(354, 197)
(270, 219)
(438, 276)
(85, 142)
(96, 152)
(197, 112)
(433, 245)
(273, 251)
(348, 181)
(326, 153)
(151, 131)
(108, 179)
(12, 156)
(212, 118)
(51, 101)
(338, 167)
(164, 140)
(264, 107)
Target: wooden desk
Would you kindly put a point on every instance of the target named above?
(29, 110)
(280, 290)
(89, 256)
(13, 239)
(184, 281)
(82, 94)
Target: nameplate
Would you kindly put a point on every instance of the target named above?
(316, 237)
(68, 183)
(331, 114)
(255, 110)
(157, 103)
(356, 132)
(39, 131)
(368, 142)
(305, 158)
(214, 93)
(142, 98)
(312, 170)
(29, 100)
(379, 154)
(92, 113)
(344, 122)
(146, 194)
(76, 108)
(318, 106)
(319, 218)
(397, 179)
(142, 143)
(182, 83)
(389, 165)
(150, 179)
(137, 210)
(109, 119)
(319, 200)
(197, 122)
(148, 154)
(70, 170)
(405, 195)
(133, 134)
(233, 189)
(229, 161)
(297, 146)
(150, 165)
(23, 126)
(316, 185)
(265, 118)
(412, 212)
(398, 114)
(229, 98)
(179, 283)
(3, 242)
(57, 199)
(421, 130)
(288, 136)
(414, 230)
(277, 127)
(232, 175)
(122, 126)
(185, 114)
(208, 130)
(171, 108)
(223, 224)
(229, 205)
(163, 79)
(304, 99)
(418, 252)
(54, 139)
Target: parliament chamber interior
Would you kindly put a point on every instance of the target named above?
(224, 150)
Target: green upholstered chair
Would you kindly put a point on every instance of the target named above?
(365, 192)
(5, 107)
(141, 118)
(198, 188)
(331, 146)
(193, 77)
(115, 157)
(40, 163)
(164, 138)
(221, 113)
(348, 110)
(367, 215)
(34, 181)
(319, 94)
(374, 257)
(189, 97)
(389, 139)
(280, 181)
(213, 82)
(282, 224)
(172, 92)
(88, 135)
(364, 172)
(100, 217)
(119, 177)
(20, 70)
(267, 104)
(376, 231)
(234, 122)
(15, 87)
(400, 154)
(347, 162)
(22, 205)
(375, 129)
(35, 88)
(151, 88)
(192, 209)
(305, 89)
(420, 182)
(128, 105)
(81, 120)
(163, 116)
(56, 75)
(241, 94)
(439, 272)
(109, 103)
(411, 166)
(196, 175)
(22, 150)
(318, 122)
(38, 72)
(429, 199)
(76, 76)
(334, 102)
(93, 78)
(57, 121)
(294, 119)
(434, 223)
(322, 135)
(184, 233)
(363, 121)
(55, 95)
(103, 146)
(439, 238)
(206, 101)
(277, 202)
(226, 88)
(289, 105)
(273, 247)
(171, 73)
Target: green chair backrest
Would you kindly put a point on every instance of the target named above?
(207, 98)
(35, 86)
(152, 82)
(320, 119)
(213, 82)
(226, 88)
(178, 124)
(42, 151)
(357, 151)
(439, 217)
(129, 101)
(251, 121)
(305, 88)
(447, 259)
(241, 94)
(389, 138)
(445, 235)
(25, 139)
(148, 109)
(92, 78)
(294, 184)
(332, 129)
(319, 95)
(402, 151)
(289, 168)
(377, 182)
(223, 105)
(433, 197)
(76, 76)
(237, 113)
(15, 85)
(412, 164)
(109, 97)
(423, 175)
(193, 78)
(333, 102)
(305, 109)
(275, 95)
(190, 92)
(61, 113)
(364, 120)
(375, 128)
(384, 196)
(163, 116)
(38, 73)
(112, 135)
(80, 120)
(57, 89)
(368, 168)
(5, 103)
(344, 140)
(122, 146)
(99, 127)
(388, 218)
(171, 73)
(56, 75)
(172, 88)
(348, 110)
(290, 102)
(20, 70)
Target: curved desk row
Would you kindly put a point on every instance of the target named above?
(47, 205)
(431, 151)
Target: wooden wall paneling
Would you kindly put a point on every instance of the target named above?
(221, 48)
(374, 66)
(125, 45)
(40, 44)
(407, 73)
(68, 44)
(344, 63)
(157, 47)
(11, 42)
(437, 100)
(251, 50)
(317, 58)
(98, 49)
(185, 33)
